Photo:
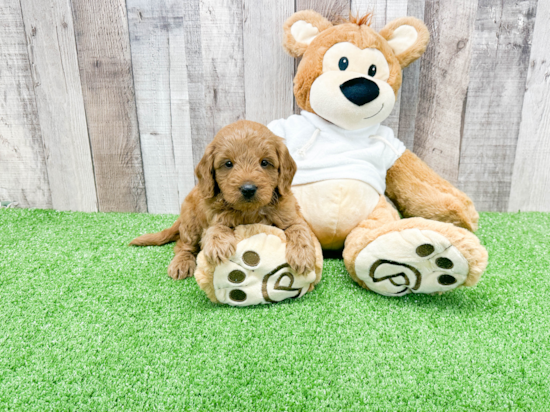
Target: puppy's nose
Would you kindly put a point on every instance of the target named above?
(248, 190)
(360, 90)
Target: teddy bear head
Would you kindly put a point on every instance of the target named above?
(349, 73)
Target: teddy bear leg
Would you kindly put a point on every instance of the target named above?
(258, 272)
(413, 255)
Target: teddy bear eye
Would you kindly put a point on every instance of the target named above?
(343, 63)
(372, 70)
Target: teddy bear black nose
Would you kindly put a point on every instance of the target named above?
(360, 90)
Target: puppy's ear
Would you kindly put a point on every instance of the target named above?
(205, 173)
(300, 30)
(408, 37)
(287, 169)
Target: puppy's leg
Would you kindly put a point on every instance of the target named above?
(300, 251)
(184, 262)
(218, 244)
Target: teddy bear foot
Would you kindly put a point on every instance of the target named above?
(420, 260)
(257, 273)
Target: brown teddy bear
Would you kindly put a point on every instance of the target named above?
(346, 84)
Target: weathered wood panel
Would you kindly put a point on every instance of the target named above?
(443, 84)
(530, 189)
(50, 34)
(180, 115)
(409, 88)
(101, 28)
(269, 71)
(155, 28)
(500, 58)
(385, 11)
(223, 62)
(23, 174)
(200, 135)
(331, 9)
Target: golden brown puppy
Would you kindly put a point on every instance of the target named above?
(244, 177)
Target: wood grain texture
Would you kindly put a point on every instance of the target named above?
(269, 71)
(500, 58)
(388, 10)
(180, 114)
(443, 84)
(200, 135)
(157, 42)
(23, 172)
(331, 9)
(409, 88)
(101, 28)
(52, 50)
(530, 189)
(223, 62)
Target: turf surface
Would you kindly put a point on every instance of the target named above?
(87, 323)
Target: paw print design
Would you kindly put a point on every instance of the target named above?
(258, 273)
(411, 261)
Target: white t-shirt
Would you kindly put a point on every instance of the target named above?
(325, 151)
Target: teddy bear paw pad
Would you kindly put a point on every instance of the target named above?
(258, 273)
(411, 261)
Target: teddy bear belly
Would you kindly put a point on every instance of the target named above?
(334, 207)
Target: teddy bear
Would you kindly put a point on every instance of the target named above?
(403, 229)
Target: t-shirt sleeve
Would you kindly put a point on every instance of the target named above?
(396, 146)
(277, 127)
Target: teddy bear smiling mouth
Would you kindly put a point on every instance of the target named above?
(375, 113)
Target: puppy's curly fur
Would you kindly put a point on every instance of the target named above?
(242, 154)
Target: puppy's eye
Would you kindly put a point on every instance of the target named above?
(372, 70)
(228, 164)
(343, 63)
(264, 163)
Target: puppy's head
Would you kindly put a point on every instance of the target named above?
(247, 165)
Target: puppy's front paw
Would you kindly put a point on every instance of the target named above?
(219, 252)
(182, 267)
(301, 257)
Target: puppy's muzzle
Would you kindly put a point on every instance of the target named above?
(248, 190)
(360, 90)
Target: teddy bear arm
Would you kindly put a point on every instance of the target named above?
(418, 191)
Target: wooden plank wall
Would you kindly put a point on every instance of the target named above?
(500, 59)
(530, 188)
(159, 61)
(108, 105)
(23, 170)
(52, 52)
(103, 48)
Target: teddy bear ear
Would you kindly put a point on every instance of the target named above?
(408, 37)
(300, 30)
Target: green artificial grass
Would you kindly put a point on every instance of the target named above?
(87, 323)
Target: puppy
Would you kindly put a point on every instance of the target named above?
(244, 177)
